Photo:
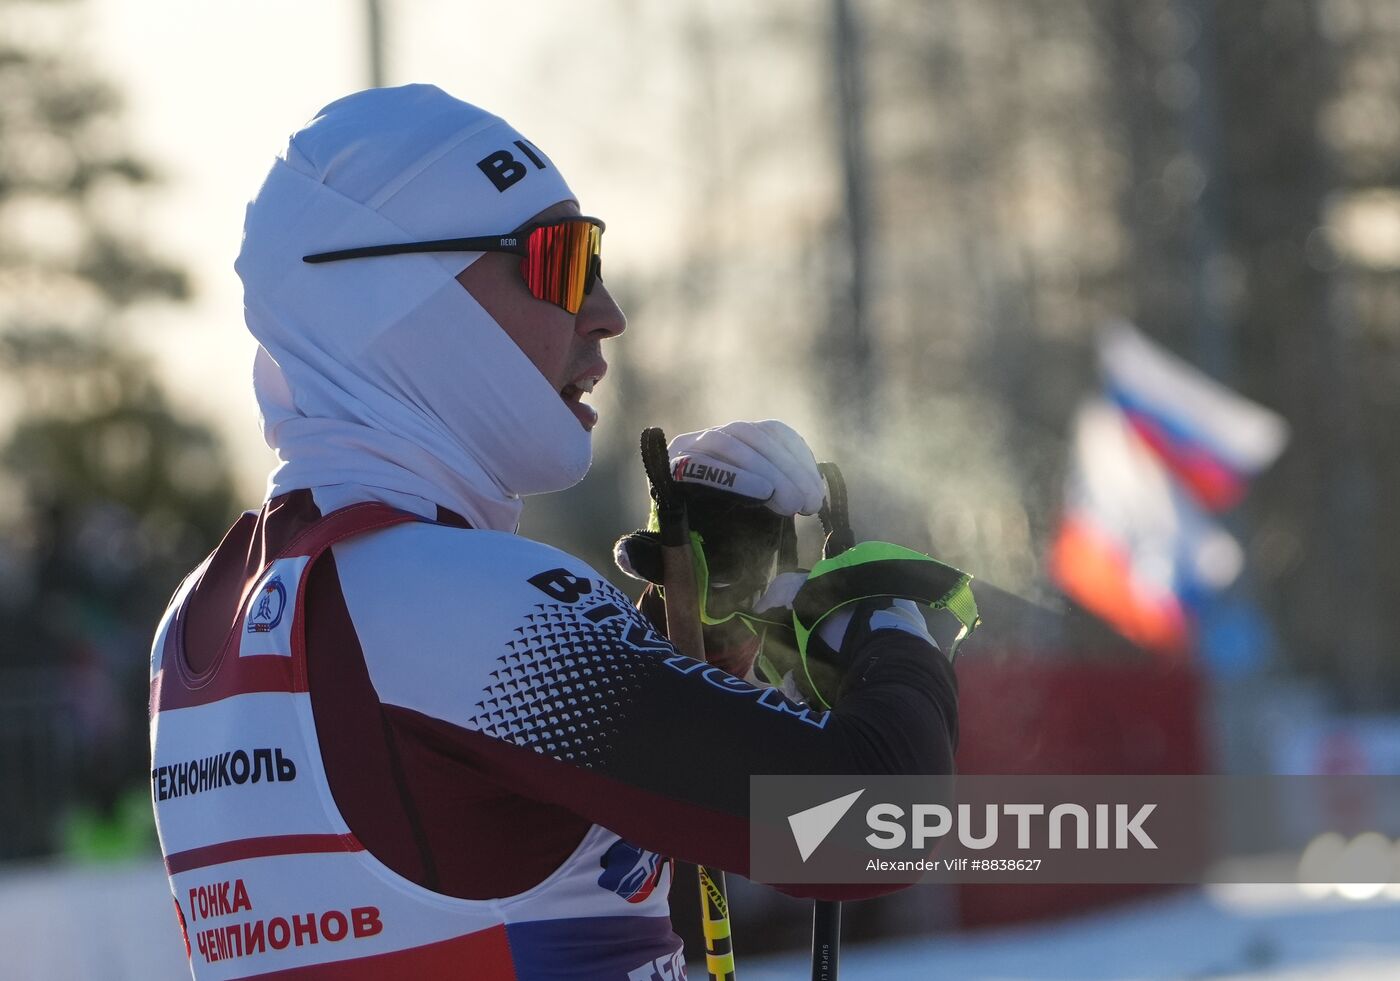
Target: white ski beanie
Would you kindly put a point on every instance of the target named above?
(385, 372)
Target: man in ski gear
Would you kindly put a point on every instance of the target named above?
(392, 738)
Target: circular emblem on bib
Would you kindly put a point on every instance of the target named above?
(267, 613)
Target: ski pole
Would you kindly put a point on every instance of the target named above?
(682, 596)
(826, 939)
(826, 914)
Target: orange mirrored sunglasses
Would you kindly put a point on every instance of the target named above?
(561, 259)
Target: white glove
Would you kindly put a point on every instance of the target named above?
(767, 461)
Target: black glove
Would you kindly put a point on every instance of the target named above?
(742, 483)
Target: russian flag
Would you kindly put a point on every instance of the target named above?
(1132, 548)
(1210, 438)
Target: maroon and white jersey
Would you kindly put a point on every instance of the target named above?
(388, 746)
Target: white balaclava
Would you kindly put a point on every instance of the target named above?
(385, 372)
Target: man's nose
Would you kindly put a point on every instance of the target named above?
(600, 316)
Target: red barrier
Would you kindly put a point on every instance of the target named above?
(1047, 714)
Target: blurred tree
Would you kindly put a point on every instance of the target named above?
(107, 497)
(1351, 370)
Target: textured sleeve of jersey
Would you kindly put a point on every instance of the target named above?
(534, 670)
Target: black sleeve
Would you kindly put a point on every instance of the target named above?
(666, 744)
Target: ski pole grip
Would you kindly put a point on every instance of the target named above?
(670, 506)
(682, 589)
(835, 513)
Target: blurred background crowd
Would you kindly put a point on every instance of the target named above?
(905, 228)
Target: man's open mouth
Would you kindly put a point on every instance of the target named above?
(573, 394)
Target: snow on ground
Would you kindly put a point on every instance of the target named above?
(1246, 932)
(89, 923)
(116, 922)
